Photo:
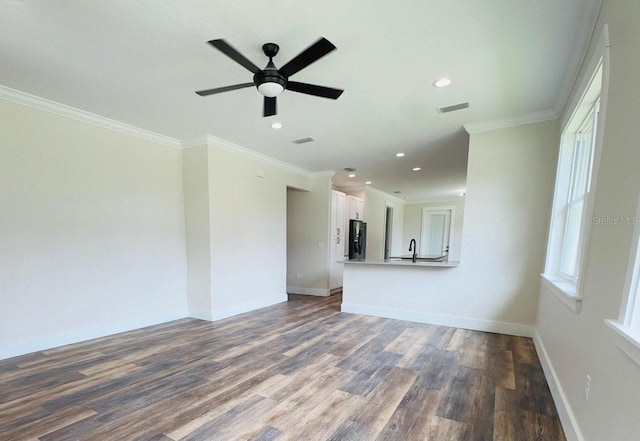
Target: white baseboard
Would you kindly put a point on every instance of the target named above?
(202, 314)
(442, 320)
(219, 314)
(567, 418)
(83, 334)
(308, 291)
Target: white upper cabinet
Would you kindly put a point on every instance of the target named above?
(338, 204)
(356, 207)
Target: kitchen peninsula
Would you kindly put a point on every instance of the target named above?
(404, 262)
(424, 292)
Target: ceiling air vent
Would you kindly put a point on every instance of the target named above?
(303, 140)
(397, 192)
(350, 169)
(453, 108)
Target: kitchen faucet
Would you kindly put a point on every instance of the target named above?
(414, 248)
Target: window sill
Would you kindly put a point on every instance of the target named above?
(565, 291)
(627, 339)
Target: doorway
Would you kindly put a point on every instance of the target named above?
(436, 230)
(388, 231)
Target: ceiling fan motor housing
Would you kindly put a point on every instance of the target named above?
(270, 74)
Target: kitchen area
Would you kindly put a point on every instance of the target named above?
(368, 230)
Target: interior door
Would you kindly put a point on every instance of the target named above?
(436, 229)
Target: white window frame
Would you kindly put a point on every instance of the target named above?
(627, 326)
(575, 139)
(568, 287)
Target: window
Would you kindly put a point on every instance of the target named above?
(628, 324)
(572, 199)
(578, 189)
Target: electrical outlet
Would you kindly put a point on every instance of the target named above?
(587, 387)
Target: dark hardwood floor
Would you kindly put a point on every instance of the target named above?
(298, 371)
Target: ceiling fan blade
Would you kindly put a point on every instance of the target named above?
(313, 53)
(269, 106)
(223, 89)
(312, 89)
(232, 53)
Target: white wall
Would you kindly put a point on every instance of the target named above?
(91, 231)
(375, 212)
(509, 191)
(308, 248)
(413, 224)
(196, 201)
(247, 230)
(578, 344)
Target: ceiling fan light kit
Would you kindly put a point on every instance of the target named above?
(272, 81)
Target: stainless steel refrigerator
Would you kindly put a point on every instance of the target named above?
(357, 239)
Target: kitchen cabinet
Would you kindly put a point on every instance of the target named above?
(355, 206)
(338, 207)
(337, 238)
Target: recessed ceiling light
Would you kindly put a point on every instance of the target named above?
(352, 175)
(368, 183)
(399, 155)
(416, 169)
(442, 82)
(463, 194)
(276, 125)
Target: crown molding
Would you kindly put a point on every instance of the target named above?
(579, 51)
(195, 142)
(504, 123)
(214, 141)
(600, 56)
(384, 194)
(356, 186)
(451, 200)
(322, 174)
(26, 99)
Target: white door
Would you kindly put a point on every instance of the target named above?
(436, 229)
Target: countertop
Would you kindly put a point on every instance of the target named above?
(429, 257)
(403, 262)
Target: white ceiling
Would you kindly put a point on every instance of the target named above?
(140, 62)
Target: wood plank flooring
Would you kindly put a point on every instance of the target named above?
(299, 371)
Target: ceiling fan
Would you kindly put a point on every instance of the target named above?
(272, 81)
